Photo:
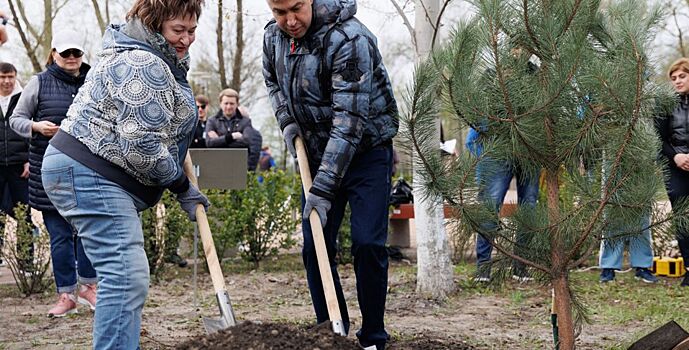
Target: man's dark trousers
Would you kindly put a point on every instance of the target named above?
(12, 184)
(366, 186)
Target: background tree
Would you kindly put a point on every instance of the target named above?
(102, 10)
(435, 275)
(35, 35)
(590, 99)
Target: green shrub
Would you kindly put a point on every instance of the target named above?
(259, 220)
(27, 254)
(163, 225)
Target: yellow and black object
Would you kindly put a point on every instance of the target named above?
(670, 267)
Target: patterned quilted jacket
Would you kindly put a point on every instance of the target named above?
(333, 84)
(135, 110)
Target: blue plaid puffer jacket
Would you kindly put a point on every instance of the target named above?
(333, 84)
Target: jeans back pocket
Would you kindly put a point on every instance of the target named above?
(59, 185)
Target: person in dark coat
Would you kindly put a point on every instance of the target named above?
(14, 158)
(230, 128)
(327, 84)
(674, 133)
(202, 105)
(39, 113)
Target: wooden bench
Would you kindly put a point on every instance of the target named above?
(402, 230)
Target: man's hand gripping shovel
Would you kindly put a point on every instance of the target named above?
(319, 242)
(226, 318)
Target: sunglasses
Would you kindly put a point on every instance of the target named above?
(71, 52)
(201, 106)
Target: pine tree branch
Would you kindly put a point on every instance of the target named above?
(516, 257)
(492, 28)
(527, 25)
(570, 19)
(607, 195)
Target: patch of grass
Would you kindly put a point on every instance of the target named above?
(632, 303)
(517, 297)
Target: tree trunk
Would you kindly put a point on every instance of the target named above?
(17, 12)
(239, 50)
(220, 48)
(560, 273)
(99, 16)
(434, 276)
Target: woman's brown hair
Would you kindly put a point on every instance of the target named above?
(153, 13)
(681, 64)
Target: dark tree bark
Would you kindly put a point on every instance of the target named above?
(239, 50)
(220, 47)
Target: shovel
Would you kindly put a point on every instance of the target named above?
(319, 243)
(226, 318)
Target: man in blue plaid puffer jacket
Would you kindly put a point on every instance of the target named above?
(327, 84)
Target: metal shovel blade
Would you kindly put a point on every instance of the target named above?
(227, 319)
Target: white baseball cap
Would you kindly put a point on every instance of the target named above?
(66, 39)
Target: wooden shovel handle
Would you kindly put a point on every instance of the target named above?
(206, 236)
(318, 239)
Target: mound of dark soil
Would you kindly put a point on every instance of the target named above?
(427, 344)
(276, 336)
(271, 336)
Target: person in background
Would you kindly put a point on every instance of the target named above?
(640, 252)
(122, 145)
(229, 128)
(202, 104)
(492, 193)
(266, 161)
(38, 115)
(327, 84)
(14, 158)
(674, 135)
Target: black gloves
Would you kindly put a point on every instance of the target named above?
(190, 198)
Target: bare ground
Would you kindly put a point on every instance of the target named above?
(518, 319)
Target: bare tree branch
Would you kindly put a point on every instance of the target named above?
(406, 22)
(23, 17)
(680, 36)
(30, 51)
(437, 23)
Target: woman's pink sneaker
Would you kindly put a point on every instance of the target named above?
(87, 295)
(65, 305)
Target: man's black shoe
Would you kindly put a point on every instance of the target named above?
(176, 259)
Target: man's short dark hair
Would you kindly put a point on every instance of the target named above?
(7, 68)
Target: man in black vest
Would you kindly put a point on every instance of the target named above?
(14, 149)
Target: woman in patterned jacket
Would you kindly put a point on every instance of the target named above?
(123, 143)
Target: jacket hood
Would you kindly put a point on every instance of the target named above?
(115, 40)
(332, 11)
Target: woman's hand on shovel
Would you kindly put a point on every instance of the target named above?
(190, 198)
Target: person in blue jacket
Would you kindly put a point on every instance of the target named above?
(327, 83)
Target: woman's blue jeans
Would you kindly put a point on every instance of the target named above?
(107, 221)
